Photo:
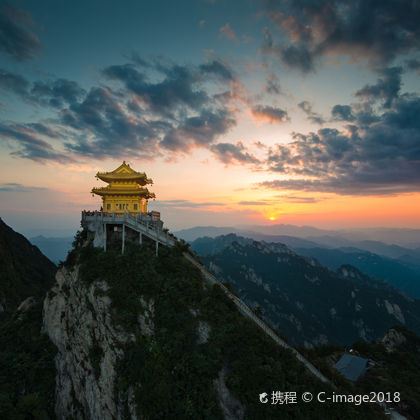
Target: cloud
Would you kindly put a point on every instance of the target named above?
(32, 146)
(149, 119)
(146, 109)
(377, 31)
(180, 87)
(297, 199)
(14, 83)
(312, 116)
(380, 158)
(57, 93)
(199, 130)
(227, 32)
(413, 64)
(270, 114)
(296, 57)
(342, 113)
(273, 85)
(229, 153)
(292, 56)
(105, 128)
(217, 68)
(373, 98)
(253, 203)
(13, 187)
(16, 40)
(187, 203)
(386, 89)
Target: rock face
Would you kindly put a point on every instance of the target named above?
(393, 339)
(231, 407)
(78, 321)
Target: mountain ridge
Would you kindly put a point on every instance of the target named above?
(360, 307)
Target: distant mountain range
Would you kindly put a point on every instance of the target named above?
(398, 266)
(392, 247)
(403, 276)
(310, 304)
(406, 238)
(395, 264)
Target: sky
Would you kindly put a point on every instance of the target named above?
(301, 112)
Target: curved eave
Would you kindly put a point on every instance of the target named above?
(139, 178)
(141, 192)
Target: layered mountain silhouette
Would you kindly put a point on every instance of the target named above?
(306, 302)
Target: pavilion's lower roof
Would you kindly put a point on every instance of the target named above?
(138, 192)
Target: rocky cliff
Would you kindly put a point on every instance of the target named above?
(78, 321)
(140, 336)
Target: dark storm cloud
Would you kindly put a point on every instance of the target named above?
(381, 158)
(233, 153)
(14, 83)
(31, 146)
(293, 56)
(186, 116)
(312, 116)
(270, 113)
(57, 93)
(377, 30)
(297, 57)
(178, 88)
(199, 130)
(114, 132)
(386, 89)
(161, 109)
(342, 113)
(43, 130)
(181, 85)
(217, 68)
(16, 39)
(413, 64)
(385, 92)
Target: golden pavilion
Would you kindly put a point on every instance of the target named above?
(125, 192)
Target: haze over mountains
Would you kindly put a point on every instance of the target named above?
(394, 259)
(307, 302)
(395, 264)
(408, 238)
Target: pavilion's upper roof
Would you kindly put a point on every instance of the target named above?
(124, 173)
